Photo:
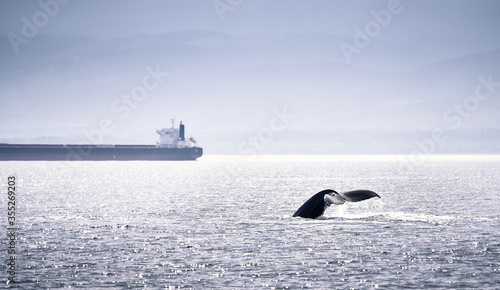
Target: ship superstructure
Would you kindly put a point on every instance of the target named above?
(174, 138)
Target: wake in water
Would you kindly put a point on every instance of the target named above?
(403, 217)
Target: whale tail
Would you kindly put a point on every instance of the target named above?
(318, 203)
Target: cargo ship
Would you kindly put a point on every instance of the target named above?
(172, 145)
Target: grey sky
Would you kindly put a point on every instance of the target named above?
(231, 63)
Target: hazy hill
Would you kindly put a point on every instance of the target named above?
(225, 87)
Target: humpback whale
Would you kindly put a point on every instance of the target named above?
(318, 203)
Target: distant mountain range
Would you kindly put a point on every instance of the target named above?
(226, 87)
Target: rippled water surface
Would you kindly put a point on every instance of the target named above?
(226, 222)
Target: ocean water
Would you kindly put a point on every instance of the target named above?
(225, 222)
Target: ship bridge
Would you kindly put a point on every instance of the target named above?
(174, 137)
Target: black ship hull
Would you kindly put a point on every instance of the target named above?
(10, 152)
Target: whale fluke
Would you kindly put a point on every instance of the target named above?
(318, 203)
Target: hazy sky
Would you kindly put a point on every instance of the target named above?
(391, 70)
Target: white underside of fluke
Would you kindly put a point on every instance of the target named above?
(333, 199)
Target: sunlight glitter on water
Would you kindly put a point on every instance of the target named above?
(208, 224)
